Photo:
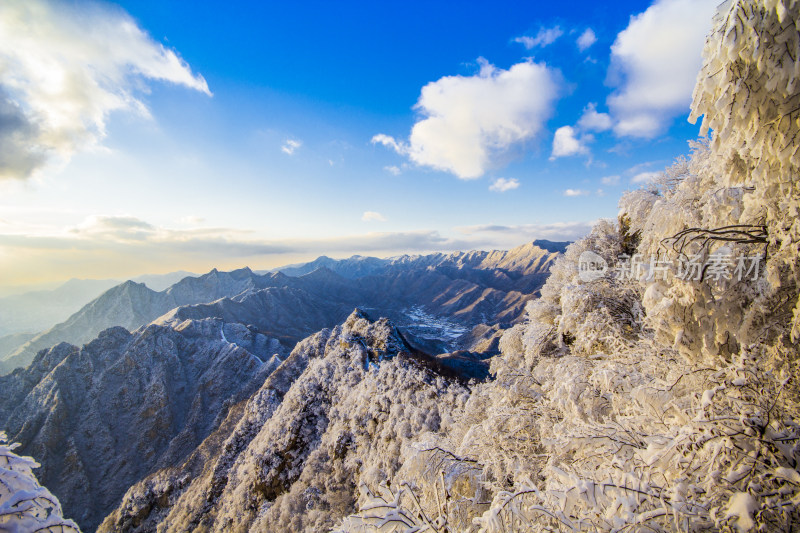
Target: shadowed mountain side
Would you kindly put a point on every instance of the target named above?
(101, 417)
(132, 305)
(287, 314)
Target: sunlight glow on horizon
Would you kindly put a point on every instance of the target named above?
(127, 165)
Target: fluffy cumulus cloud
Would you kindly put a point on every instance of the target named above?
(64, 69)
(504, 184)
(592, 120)
(469, 121)
(290, 146)
(372, 216)
(586, 39)
(575, 140)
(654, 64)
(545, 37)
(566, 142)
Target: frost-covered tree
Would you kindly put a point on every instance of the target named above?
(26, 506)
(748, 93)
(658, 403)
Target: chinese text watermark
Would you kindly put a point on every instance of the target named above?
(716, 266)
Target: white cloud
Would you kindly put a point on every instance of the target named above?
(470, 120)
(643, 177)
(393, 169)
(116, 246)
(119, 228)
(545, 37)
(509, 236)
(388, 141)
(372, 216)
(566, 143)
(610, 180)
(587, 39)
(655, 61)
(290, 146)
(591, 120)
(191, 220)
(576, 192)
(63, 69)
(504, 184)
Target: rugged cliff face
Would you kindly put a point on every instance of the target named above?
(101, 417)
(337, 413)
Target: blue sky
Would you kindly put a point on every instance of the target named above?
(156, 136)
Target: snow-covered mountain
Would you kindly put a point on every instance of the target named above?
(622, 401)
(472, 288)
(101, 417)
(156, 393)
(36, 311)
(336, 413)
(525, 259)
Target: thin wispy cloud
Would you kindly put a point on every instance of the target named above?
(372, 216)
(191, 220)
(610, 180)
(576, 192)
(393, 169)
(545, 37)
(508, 235)
(471, 120)
(65, 70)
(290, 146)
(504, 184)
(586, 39)
(126, 244)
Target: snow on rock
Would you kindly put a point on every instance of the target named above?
(322, 423)
(126, 403)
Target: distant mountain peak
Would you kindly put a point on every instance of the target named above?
(322, 273)
(552, 246)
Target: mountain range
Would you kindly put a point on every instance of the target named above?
(159, 398)
(35, 311)
(471, 288)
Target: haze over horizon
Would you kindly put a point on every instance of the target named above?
(148, 137)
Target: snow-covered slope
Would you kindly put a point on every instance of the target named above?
(336, 413)
(101, 417)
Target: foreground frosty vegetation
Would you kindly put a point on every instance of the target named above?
(25, 505)
(650, 404)
(653, 402)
